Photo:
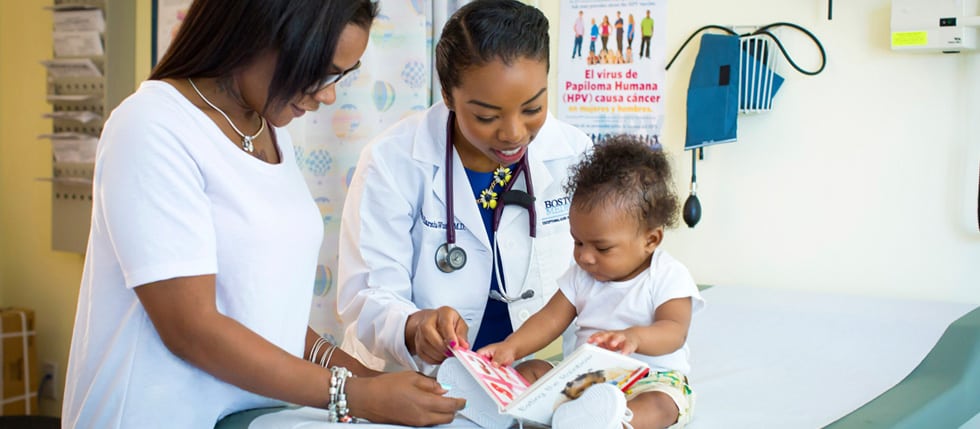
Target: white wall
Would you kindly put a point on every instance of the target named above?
(858, 181)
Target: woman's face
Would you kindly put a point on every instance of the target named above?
(499, 109)
(254, 80)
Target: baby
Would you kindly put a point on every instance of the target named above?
(627, 294)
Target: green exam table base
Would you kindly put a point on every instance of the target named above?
(942, 392)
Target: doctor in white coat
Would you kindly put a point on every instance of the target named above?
(399, 297)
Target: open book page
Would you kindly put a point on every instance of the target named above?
(503, 383)
(586, 366)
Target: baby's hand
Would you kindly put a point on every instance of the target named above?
(617, 341)
(501, 354)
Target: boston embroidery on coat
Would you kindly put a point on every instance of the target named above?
(556, 210)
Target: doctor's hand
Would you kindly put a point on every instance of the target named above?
(406, 398)
(430, 333)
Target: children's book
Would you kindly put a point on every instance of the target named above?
(586, 366)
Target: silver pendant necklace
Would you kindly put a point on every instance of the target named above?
(246, 140)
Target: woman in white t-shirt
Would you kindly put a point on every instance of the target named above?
(198, 277)
(624, 293)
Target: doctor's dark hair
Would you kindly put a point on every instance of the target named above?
(218, 37)
(625, 172)
(487, 30)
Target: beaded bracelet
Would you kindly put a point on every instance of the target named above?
(337, 408)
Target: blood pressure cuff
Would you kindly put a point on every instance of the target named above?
(712, 95)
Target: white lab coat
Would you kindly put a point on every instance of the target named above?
(394, 220)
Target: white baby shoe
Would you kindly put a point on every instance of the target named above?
(602, 406)
(480, 408)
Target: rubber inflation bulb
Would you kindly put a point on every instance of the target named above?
(692, 210)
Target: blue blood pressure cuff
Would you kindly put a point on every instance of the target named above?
(712, 95)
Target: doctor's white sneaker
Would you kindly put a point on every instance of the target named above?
(602, 406)
(480, 408)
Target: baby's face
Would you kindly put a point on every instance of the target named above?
(609, 243)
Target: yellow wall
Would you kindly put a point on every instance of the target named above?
(31, 274)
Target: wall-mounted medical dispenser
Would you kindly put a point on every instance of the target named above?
(92, 71)
(934, 26)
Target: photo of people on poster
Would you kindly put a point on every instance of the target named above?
(612, 82)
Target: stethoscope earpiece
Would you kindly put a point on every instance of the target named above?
(450, 258)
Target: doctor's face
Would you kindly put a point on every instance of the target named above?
(609, 243)
(499, 109)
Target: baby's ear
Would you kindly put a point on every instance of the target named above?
(653, 238)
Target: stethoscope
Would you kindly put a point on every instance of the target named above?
(449, 256)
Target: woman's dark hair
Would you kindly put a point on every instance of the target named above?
(627, 173)
(487, 30)
(219, 36)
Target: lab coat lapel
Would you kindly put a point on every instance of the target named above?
(467, 212)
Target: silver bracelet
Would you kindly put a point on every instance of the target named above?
(320, 341)
(337, 408)
(327, 355)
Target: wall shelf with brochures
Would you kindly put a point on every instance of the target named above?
(91, 71)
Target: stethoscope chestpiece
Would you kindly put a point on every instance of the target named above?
(450, 258)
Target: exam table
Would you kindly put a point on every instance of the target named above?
(795, 359)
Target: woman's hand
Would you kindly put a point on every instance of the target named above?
(406, 398)
(430, 333)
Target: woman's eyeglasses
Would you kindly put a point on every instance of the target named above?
(331, 79)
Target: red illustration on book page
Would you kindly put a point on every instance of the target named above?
(504, 383)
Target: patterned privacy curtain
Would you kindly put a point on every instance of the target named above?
(396, 80)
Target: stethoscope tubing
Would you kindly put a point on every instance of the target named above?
(521, 169)
(450, 245)
(450, 213)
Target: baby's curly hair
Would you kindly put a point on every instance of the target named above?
(624, 171)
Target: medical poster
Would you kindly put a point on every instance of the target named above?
(611, 66)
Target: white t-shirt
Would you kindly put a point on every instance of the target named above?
(608, 306)
(173, 197)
